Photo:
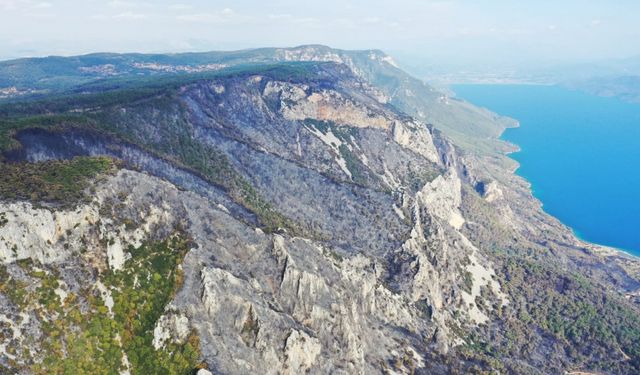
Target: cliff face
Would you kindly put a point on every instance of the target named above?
(292, 220)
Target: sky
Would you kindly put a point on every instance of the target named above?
(441, 31)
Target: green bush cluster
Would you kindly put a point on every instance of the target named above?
(597, 327)
(55, 181)
(13, 289)
(81, 335)
(140, 292)
(166, 133)
(117, 90)
(574, 309)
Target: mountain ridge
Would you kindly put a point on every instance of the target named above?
(389, 77)
(319, 216)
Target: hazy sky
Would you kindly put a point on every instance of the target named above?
(464, 31)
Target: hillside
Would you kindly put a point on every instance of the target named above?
(283, 211)
(471, 127)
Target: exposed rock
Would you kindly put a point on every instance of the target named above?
(326, 105)
(491, 191)
(41, 234)
(174, 327)
(387, 258)
(418, 138)
(301, 351)
(442, 198)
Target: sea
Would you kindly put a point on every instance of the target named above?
(580, 152)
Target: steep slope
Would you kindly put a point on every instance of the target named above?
(470, 127)
(332, 147)
(288, 218)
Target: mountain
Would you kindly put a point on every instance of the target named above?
(471, 127)
(283, 211)
(610, 78)
(625, 87)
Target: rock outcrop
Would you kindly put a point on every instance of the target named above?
(321, 230)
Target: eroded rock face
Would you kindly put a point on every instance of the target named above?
(320, 327)
(49, 235)
(387, 268)
(325, 105)
(417, 138)
(301, 351)
(274, 301)
(492, 192)
(171, 326)
(38, 233)
(378, 275)
(442, 198)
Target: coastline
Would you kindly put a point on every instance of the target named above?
(600, 248)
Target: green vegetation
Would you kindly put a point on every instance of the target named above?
(165, 133)
(176, 145)
(598, 328)
(353, 165)
(13, 289)
(323, 126)
(344, 133)
(405, 363)
(567, 309)
(129, 89)
(574, 309)
(82, 336)
(175, 142)
(417, 180)
(62, 182)
(472, 129)
(214, 166)
(467, 279)
(140, 293)
(8, 127)
(360, 173)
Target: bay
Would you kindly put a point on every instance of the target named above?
(580, 152)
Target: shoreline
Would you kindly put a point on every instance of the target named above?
(603, 249)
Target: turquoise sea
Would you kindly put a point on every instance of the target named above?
(580, 152)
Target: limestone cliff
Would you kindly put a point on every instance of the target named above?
(291, 219)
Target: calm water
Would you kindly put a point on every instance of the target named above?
(580, 152)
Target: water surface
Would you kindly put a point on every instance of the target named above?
(580, 152)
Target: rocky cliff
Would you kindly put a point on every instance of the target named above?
(289, 217)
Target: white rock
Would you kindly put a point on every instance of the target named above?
(326, 105)
(417, 138)
(442, 198)
(301, 351)
(170, 326)
(40, 234)
(492, 192)
(106, 296)
(334, 143)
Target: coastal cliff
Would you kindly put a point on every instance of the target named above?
(288, 211)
